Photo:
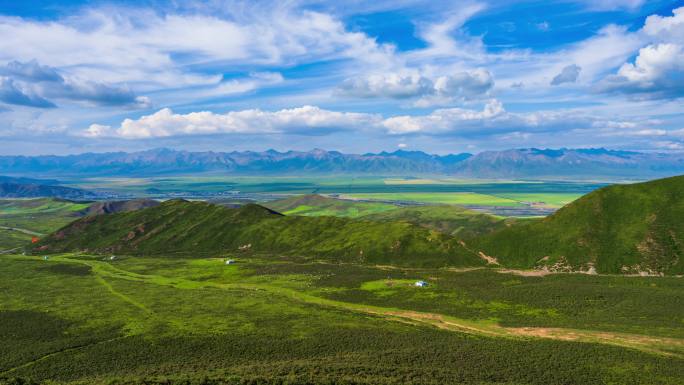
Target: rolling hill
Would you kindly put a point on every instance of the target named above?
(636, 228)
(620, 229)
(112, 207)
(449, 219)
(196, 228)
(318, 205)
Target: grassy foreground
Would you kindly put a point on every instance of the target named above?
(79, 319)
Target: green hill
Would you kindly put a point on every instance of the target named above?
(636, 228)
(198, 228)
(449, 219)
(318, 205)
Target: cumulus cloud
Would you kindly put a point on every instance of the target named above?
(666, 28)
(494, 119)
(463, 85)
(47, 82)
(658, 70)
(569, 74)
(491, 120)
(12, 93)
(306, 120)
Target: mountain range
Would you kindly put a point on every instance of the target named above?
(515, 163)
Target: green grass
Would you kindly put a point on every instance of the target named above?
(548, 199)
(316, 205)
(192, 321)
(448, 219)
(11, 239)
(324, 185)
(461, 198)
(201, 229)
(43, 215)
(618, 229)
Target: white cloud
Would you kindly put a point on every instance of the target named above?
(402, 145)
(494, 119)
(465, 85)
(658, 69)
(440, 36)
(137, 45)
(307, 120)
(666, 28)
(657, 72)
(46, 82)
(609, 5)
(650, 132)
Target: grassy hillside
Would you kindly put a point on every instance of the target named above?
(318, 205)
(453, 220)
(618, 229)
(21, 219)
(448, 219)
(181, 227)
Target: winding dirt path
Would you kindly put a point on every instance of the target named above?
(655, 345)
(25, 231)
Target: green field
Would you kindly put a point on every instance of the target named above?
(22, 219)
(458, 198)
(316, 205)
(550, 199)
(79, 319)
(424, 189)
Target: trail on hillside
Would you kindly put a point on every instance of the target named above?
(655, 345)
(25, 231)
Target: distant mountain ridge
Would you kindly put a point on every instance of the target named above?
(506, 164)
(166, 161)
(34, 188)
(571, 163)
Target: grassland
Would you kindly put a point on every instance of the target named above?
(317, 205)
(22, 219)
(199, 229)
(78, 319)
(551, 193)
(622, 228)
(459, 198)
(549, 199)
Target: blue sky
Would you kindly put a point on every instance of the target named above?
(354, 76)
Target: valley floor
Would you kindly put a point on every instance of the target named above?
(90, 320)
